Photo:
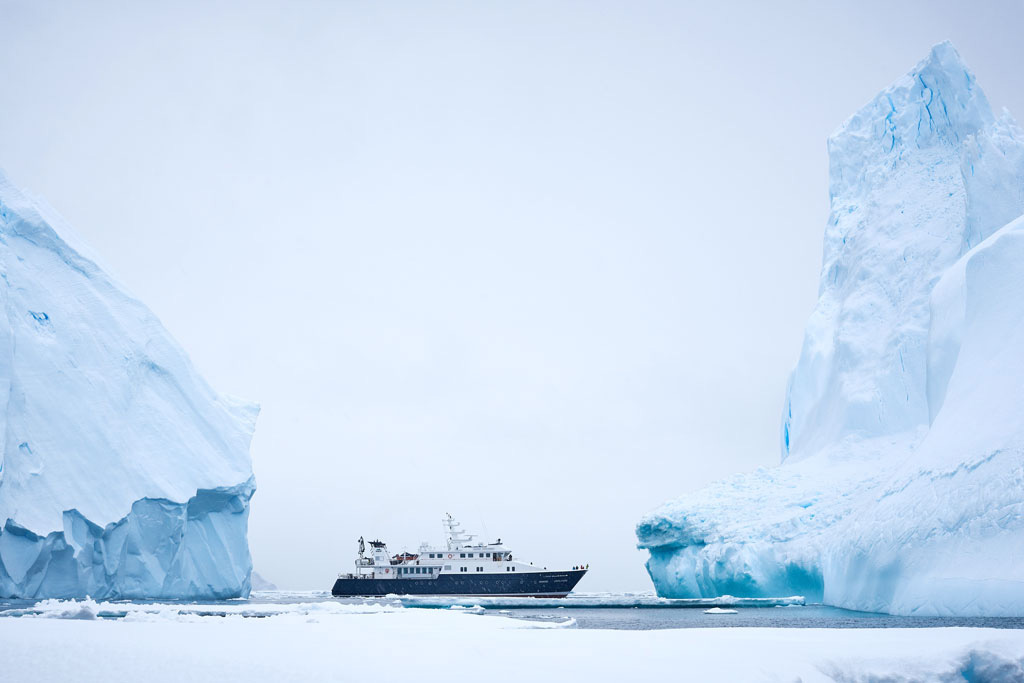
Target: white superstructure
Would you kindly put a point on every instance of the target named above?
(461, 554)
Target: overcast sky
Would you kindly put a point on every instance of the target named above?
(541, 265)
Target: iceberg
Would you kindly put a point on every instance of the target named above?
(901, 487)
(259, 583)
(122, 473)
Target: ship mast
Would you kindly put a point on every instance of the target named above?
(454, 536)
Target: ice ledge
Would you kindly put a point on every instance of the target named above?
(160, 549)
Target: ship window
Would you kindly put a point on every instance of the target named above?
(462, 554)
(513, 568)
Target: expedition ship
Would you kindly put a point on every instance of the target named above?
(461, 567)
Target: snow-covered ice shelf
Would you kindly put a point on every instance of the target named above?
(328, 641)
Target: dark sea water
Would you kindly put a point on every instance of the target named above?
(636, 612)
(808, 616)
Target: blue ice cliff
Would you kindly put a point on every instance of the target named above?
(122, 474)
(901, 487)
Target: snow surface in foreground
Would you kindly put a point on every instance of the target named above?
(902, 486)
(328, 641)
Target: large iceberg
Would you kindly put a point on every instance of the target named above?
(122, 474)
(902, 483)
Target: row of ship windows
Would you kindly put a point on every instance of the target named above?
(408, 570)
(480, 569)
(463, 555)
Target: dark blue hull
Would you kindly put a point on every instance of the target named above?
(526, 584)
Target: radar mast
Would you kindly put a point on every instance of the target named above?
(454, 536)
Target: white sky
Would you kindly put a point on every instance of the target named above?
(541, 265)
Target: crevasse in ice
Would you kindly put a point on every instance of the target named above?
(902, 483)
(122, 474)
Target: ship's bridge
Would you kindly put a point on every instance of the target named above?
(462, 553)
